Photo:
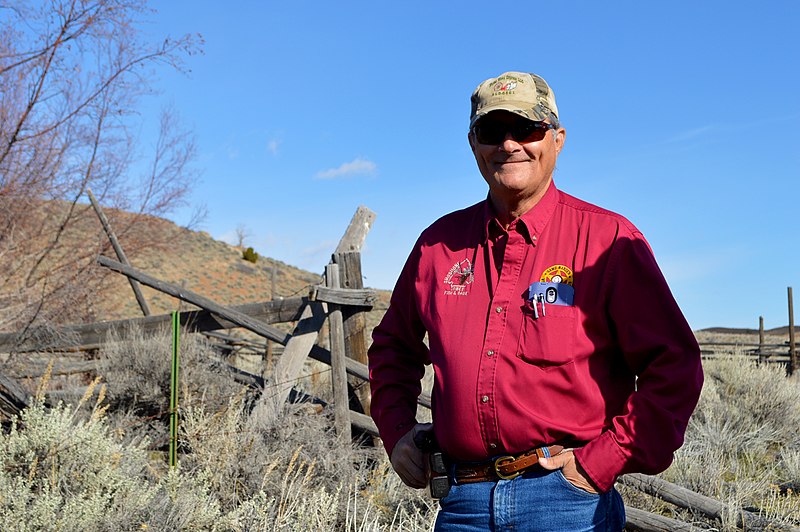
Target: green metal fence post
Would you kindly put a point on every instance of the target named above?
(173, 396)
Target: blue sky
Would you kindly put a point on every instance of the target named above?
(682, 116)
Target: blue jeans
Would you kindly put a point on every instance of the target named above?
(538, 501)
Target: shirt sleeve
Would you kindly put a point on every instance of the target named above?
(661, 349)
(397, 359)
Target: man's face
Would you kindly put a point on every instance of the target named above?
(517, 170)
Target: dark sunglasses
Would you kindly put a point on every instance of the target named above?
(494, 132)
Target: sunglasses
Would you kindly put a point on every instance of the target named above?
(494, 132)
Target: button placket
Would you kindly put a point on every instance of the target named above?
(502, 296)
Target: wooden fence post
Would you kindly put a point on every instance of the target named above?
(792, 350)
(119, 251)
(348, 256)
(355, 321)
(761, 356)
(338, 364)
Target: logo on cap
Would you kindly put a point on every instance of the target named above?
(505, 87)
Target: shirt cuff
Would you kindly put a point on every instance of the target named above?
(392, 436)
(603, 460)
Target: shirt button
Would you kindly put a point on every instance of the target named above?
(498, 309)
(485, 399)
(489, 352)
(492, 446)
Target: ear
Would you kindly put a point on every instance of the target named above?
(560, 139)
(472, 142)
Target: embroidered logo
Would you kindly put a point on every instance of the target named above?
(459, 278)
(505, 87)
(557, 273)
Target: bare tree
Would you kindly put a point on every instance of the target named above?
(72, 73)
(242, 235)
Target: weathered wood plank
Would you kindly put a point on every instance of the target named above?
(12, 398)
(685, 498)
(137, 292)
(60, 367)
(642, 521)
(296, 352)
(357, 369)
(91, 334)
(184, 294)
(356, 232)
(341, 403)
(364, 297)
(355, 322)
(363, 422)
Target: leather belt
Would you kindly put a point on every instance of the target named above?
(502, 467)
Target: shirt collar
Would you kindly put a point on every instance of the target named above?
(535, 220)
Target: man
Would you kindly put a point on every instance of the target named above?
(560, 357)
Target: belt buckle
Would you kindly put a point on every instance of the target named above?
(502, 460)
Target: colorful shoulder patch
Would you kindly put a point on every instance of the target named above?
(557, 273)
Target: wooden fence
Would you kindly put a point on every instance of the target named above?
(340, 301)
(762, 352)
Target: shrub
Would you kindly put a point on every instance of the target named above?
(250, 255)
(742, 444)
(137, 368)
(240, 468)
(60, 472)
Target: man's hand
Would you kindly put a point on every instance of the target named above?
(409, 461)
(570, 468)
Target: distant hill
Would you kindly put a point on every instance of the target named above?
(212, 268)
(156, 246)
(776, 331)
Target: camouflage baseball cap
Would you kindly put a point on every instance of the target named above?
(526, 94)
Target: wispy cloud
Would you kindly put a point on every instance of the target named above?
(273, 145)
(699, 266)
(690, 134)
(356, 167)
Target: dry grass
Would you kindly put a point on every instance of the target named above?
(742, 445)
(238, 469)
(100, 465)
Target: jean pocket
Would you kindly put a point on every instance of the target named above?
(572, 487)
(548, 337)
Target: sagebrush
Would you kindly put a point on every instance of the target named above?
(99, 463)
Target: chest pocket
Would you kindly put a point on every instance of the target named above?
(549, 339)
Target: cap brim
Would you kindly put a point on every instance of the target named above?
(521, 108)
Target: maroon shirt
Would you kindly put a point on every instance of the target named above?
(616, 373)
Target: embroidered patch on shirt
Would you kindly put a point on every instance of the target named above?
(459, 278)
(558, 273)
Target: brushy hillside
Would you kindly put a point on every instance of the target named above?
(160, 248)
(215, 269)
